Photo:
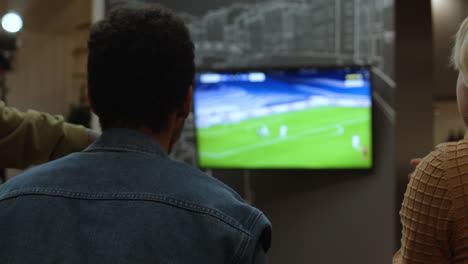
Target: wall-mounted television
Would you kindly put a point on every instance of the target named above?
(288, 118)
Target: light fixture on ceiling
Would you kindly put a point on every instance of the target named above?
(12, 22)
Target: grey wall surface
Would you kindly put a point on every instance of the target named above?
(318, 217)
(290, 32)
(447, 16)
(414, 95)
(333, 217)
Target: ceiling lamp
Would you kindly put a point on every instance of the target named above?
(12, 22)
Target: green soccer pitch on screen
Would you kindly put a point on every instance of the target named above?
(302, 118)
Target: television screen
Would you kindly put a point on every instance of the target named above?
(302, 118)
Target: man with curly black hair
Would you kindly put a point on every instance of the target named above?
(123, 200)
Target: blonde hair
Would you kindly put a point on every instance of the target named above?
(460, 51)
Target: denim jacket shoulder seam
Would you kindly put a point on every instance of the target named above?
(238, 255)
(122, 148)
(255, 220)
(128, 196)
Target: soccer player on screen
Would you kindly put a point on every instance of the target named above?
(365, 152)
(283, 131)
(264, 131)
(356, 142)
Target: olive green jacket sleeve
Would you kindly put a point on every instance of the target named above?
(28, 138)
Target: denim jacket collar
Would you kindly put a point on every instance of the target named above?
(126, 140)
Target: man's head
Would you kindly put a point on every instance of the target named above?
(140, 69)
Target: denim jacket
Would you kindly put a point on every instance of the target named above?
(123, 200)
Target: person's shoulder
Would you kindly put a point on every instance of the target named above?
(32, 180)
(453, 149)
(449, 155)
(447, 151)
(199, 179)
(195, 180)
(207, 191)
(443, 163)
(222, 202)
(453, 157)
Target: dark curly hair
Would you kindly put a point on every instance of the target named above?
(140, 67)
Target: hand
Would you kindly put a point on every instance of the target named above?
(415, 162)
(92, 135)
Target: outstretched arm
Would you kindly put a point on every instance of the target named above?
(28, 138)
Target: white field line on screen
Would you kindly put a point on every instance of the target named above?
(270, 142)
(270, 123)
(243, 129)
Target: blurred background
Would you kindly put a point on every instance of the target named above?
(48, 68)
(320, 217)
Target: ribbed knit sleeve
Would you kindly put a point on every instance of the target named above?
(426, 213)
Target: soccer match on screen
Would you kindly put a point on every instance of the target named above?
(305, 118)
